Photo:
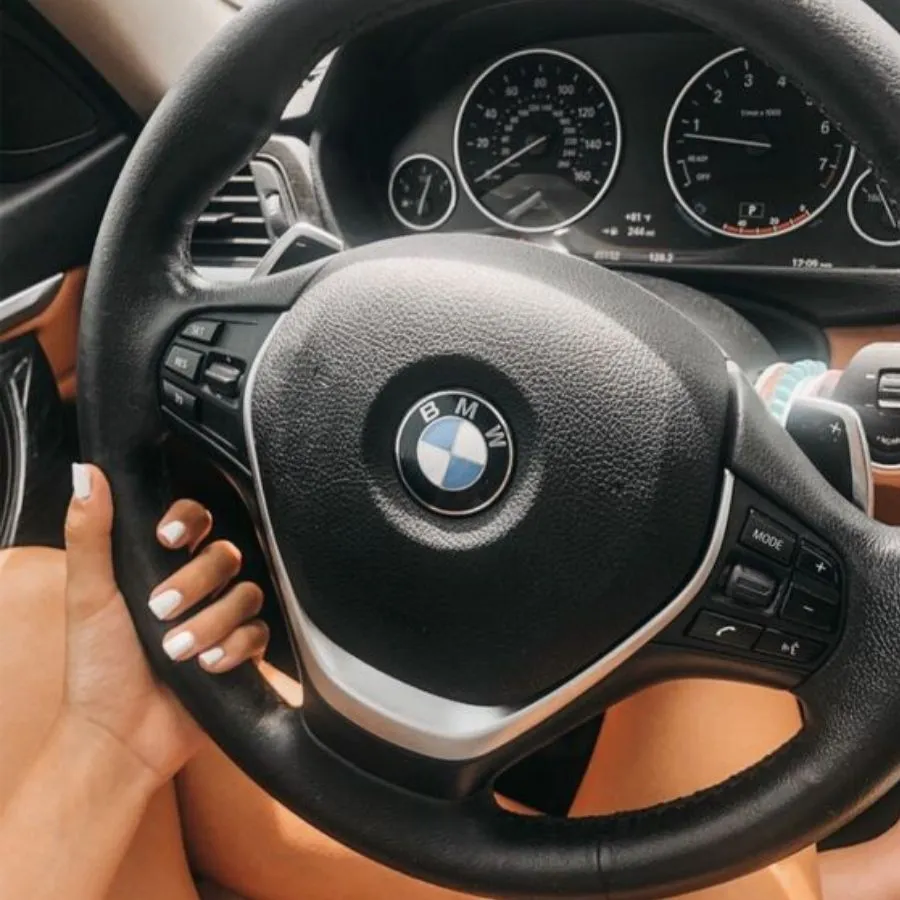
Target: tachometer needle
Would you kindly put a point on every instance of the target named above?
(887, 207)
(421, 207)
(512, 158)
(737, 142)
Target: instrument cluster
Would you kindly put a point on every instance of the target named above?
(653, 149)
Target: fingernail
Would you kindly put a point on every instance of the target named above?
(179, 645)
(81, 481)
(172, 533)
(166, 603)
(212, 656)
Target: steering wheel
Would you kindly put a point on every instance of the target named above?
(499, 489)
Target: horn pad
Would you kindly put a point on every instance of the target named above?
(485, 463)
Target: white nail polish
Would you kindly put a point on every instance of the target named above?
(166, 603)
(81, 481)
(179, 645)
(172, 532)
(212, 656)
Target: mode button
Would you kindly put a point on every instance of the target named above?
(769, 538)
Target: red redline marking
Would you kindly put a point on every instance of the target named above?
(772, 229)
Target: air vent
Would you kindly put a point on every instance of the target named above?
(232, 230)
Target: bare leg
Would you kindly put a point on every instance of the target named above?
(32, 654)
(870, 871)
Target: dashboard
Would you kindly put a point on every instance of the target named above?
(642, 148)
(607, 130)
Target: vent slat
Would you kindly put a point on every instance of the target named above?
(232, 229)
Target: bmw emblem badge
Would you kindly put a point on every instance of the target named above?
(454, 453)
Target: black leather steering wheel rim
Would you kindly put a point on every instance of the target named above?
(141, 286)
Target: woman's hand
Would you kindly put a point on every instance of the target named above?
(109, 685)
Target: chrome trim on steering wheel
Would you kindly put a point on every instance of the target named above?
(419, 721)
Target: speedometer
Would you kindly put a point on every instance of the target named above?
(537, 140)
(748, 155)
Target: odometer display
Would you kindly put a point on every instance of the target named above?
(537, 141)
(748, 155)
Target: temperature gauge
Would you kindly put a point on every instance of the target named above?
(422, 192)
(874, 214)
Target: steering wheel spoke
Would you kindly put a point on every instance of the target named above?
(207, 361)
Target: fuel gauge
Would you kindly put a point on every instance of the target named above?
(874, 215)
(422, 192)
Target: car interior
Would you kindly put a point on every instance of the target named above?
(534, 352)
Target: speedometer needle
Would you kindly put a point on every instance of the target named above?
(887, 207)
(737, 142)
(512, 158)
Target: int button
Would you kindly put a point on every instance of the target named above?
(769, 538)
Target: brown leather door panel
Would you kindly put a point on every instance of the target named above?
(56, 327)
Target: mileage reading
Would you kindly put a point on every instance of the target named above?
(748, 155)
(537, 141)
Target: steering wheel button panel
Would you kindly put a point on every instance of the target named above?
(203, 401)
(754, 590)
(768, 538)
(728, 632)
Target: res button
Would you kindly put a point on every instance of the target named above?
(184, 362)
(768, 538)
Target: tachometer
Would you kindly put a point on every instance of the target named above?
(537, 140)
(748, 155)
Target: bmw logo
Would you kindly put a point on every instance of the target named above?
(454, 453)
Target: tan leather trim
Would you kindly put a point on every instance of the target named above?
(845, 343)
(57, 330)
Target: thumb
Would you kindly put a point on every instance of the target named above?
(91, 582)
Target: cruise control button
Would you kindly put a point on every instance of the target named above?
(806, 608)
(769, 538)
(815, 564)
(202, 330)
(184, 362)
(789, 647)
(722, 630)
(179, 401)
